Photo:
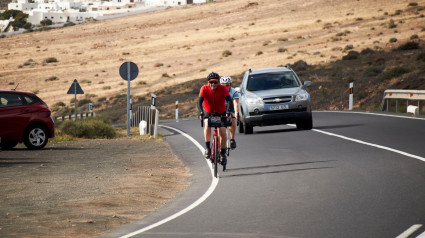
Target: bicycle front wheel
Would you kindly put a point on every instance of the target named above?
(216, 155)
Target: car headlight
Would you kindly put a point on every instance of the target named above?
(252, 100)
(301, 97)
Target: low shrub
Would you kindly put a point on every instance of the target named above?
(392, 24)
(351, 55)
(69, 24)
(409, 46)
(395, 72)
(413, 37)
(83, 102)
(51, 60)
(367, 51)
(373, 71)
(88, 128)
(46, 22)
(53, 78)
(226, 53)
(421, 57)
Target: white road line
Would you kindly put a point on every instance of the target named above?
(421, 235)
(373, 145)
(377, 114)
(410, 231)
(193, 205)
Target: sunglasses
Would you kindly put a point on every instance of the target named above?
(213, 82)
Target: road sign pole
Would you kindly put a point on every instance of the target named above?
(75, 100)
(128, 98)
(128, 72)
(350, 98)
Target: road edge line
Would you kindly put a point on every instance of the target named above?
(200, 200)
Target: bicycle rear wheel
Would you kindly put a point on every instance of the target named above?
(228, 142)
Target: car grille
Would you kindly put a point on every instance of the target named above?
(278, 111)
(275, 100)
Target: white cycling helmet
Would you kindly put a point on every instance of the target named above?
(225, 80)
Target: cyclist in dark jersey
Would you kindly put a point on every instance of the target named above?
(212, 100)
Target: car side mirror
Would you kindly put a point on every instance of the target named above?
(307, 84)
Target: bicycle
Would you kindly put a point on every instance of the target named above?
(215, 158)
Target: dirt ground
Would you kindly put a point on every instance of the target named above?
(85, 188)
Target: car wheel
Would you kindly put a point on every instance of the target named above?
(35, 137)
(248, 129)
(308, 123)
(8, 145)
(299, 125)
(305, 124)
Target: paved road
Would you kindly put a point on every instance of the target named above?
(287, 183)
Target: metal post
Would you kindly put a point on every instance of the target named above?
(388, 102)
(75, 99)
(350, 99)
(396, 105)
(128, 99)
(156, 124)
(177, 111)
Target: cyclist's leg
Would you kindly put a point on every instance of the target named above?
(233, 127)
(233, 132)
(207, 137)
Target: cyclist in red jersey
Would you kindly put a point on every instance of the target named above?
(212, 100)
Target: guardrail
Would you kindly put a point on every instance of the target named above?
(147, 114)
(71, 117)
(399, 95)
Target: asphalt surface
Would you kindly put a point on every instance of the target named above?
(282, 182)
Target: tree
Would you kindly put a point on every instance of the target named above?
(20, 20)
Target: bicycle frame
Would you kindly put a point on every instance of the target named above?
(215, 150)
(215, 153)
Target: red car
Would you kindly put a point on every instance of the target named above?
(24, 118)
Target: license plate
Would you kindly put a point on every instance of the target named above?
(278, 107)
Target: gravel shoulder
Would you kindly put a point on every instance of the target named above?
(85, 188)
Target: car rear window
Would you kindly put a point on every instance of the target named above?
(29, 99)
(10, 99)
(270, 81)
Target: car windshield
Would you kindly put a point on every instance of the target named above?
(269, 81)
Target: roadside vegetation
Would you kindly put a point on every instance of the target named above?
(91, 128)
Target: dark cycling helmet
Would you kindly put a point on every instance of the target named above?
(213, 75)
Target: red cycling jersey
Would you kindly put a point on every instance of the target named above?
(214, 101)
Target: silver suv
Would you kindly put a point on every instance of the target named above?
(273, 96)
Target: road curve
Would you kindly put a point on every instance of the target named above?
(353, 175)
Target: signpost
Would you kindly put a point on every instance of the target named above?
(128, 71)
(75, 89)
(350, 99)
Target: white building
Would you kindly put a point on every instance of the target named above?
(62, 11)
(171, 3)
(5, 25)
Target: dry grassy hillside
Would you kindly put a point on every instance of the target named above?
(181, 44)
